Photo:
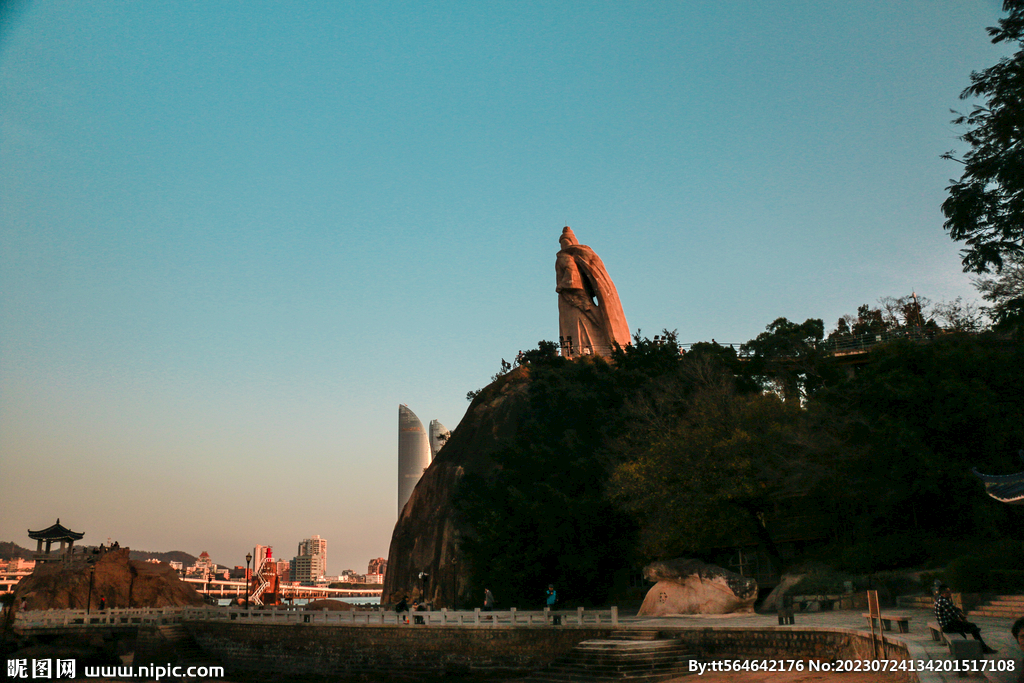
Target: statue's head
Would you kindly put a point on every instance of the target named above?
(567, 238)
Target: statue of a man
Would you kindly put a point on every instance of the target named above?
(590, 317)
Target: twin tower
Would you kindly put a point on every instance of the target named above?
(416, 449)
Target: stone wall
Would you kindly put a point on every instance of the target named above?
(345, 653)
(786, 643)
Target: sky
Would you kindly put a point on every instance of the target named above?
(235, 236)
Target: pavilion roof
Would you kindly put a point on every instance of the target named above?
(57, 532)
(1006, 488)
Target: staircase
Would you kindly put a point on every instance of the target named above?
(1003, 606)
(639, 656)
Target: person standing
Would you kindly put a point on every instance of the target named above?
(552, 596)
(488, 600)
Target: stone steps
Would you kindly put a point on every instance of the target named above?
(1001, 606)
(626, 656)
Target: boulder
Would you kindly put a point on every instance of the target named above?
(687, 586)
(114, 577)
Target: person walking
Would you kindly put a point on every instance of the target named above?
(488, 600)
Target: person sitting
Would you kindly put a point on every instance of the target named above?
(952, 620)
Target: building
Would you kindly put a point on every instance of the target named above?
(377, 566)
(310, 564)
(413, 454)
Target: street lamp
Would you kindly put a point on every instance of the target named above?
(248, 559)
(423, 586)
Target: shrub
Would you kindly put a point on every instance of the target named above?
(968, 574)
(883, 553)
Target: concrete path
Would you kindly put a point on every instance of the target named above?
(995, 631)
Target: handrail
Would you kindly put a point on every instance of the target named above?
(511, 618)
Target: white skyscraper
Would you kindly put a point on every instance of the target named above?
(413, 454)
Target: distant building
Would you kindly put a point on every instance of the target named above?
(413, 454)
(177, 566)
(377, 566)
(203, 567)
(310, 564)
(374, 578)
(19, 564)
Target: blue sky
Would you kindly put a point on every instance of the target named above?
(235, 236)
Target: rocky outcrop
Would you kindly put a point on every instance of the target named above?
(115, 579)
(694, 587)
(426, 534)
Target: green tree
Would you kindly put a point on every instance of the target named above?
(789, 357)
(985, 208)
(1006, 293)
(921, 416)
(714, 470)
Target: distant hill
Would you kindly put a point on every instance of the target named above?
(11, 551)
(174, 555)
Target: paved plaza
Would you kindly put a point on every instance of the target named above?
(995, 631)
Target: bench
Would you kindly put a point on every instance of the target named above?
(902, 623)
(959, 648)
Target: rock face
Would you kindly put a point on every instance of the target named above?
(694, 587)
(424, 539)
(122, 582)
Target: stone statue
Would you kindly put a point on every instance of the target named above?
(590, 317)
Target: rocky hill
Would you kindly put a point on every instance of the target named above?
(122, 582)
(425, 536)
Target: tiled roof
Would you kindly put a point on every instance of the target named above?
(1006, 488)
(57, 532)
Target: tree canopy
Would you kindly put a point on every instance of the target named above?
(985, 207)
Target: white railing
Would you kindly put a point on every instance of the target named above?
(58, 618)
(443, 617)
(78, 618)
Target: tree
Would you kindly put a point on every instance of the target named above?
(985, 208)
(788, 357)
(716, 469)
(1006, 292)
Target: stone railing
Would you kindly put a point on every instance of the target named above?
(477, 618)
(78, 618)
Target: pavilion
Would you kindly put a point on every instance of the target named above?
(1006, 488)
(51, 535)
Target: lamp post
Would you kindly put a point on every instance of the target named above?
(248, 559)
(423, 586)
(455, 585)
(92, 579)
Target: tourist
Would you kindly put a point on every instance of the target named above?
(488, 600)
(552, 596)
(403, 606)
(1018, 632)
(953, 620)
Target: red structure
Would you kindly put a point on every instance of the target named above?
(264, 587)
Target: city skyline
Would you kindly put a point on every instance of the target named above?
(233, 237)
